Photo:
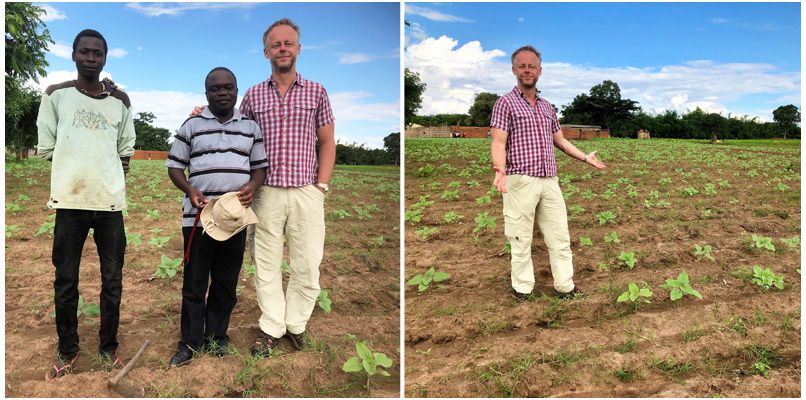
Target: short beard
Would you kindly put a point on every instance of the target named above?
(284, 70)
(527, 86)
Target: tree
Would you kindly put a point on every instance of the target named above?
(711, 123)
(150, 137)
(413, 92)
(392, 145)
(786, 117)
(603, 106)
(25, 60)
(481, 111)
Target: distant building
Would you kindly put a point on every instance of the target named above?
(583, 132)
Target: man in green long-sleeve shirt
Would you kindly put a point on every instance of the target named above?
(86, 130)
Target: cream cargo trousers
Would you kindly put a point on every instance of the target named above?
(524, 194)
(297, 215)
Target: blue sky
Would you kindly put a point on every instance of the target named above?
(161, 53)
(738, 58)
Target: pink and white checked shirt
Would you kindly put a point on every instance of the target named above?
(530, 134)
(289, 126)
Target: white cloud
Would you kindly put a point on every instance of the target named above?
(454, 75)
(358, 58)
(520, 19)
(351, 106)
(117, 53)
(433, 14)
(50, 13)
(139, 48)
(719, 20)
(176, 9)
(414, 33)
(61, 49)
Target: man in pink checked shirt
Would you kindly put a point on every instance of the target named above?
(294, 115)
(525, 130)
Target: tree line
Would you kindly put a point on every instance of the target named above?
(604, 106)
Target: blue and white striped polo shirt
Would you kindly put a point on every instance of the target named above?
(219, 156)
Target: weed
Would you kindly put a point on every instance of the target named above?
(693, 334)
(624, 375)
(628, 345)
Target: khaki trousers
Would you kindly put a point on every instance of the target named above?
(296, 215)
(524, 194)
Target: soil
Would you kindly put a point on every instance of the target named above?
(151, 307)
(469, 337)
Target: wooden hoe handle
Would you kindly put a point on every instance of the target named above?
(114, 381)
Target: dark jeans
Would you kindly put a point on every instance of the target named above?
(69, 235)
(218, 263)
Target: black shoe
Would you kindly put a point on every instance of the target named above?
(298, 339)
(521, 296)
(573, 294)
(183, 356)
(218, 348)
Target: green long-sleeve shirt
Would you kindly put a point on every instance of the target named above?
(85, 137)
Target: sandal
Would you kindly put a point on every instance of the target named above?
(112, 360)
(264, 345)
(60, 367)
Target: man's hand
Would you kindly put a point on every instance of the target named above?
(197, 198)
(500, 180)
(594, 162)
(246, 194)
(196, 111)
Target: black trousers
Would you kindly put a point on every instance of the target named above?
(69, 235)
(216, 263)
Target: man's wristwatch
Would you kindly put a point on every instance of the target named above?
(586, 158)
(324, 186)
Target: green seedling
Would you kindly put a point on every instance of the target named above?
(153, 213)
(367, 361)
(88, 309)
(635, 294)
(484, 221)
(423, 281)
(363, 213)
(425, 171)
(507, 248)
(703, 252)
(159, 241)
(576, 209)
(134, 238)
(450, 195)
(451, 217)
(414, 216)
(426, 232)
(664, 181)
(285, 267)
(250, 269)
(782, 187)
(689, 191)
(762, 369)
(679, 287)
(793, 242)
(605, 217)
(628, 258)
(454, 184)
(323, 301)
(377, 241)
(11, 230)
(762, 242)
(612, 237)
(710, 189)
(341, 214)
(483, 199)
(46, 227)
(585, 241)
(588, 194)
(766, 278)
(168, 267)
(423, 202)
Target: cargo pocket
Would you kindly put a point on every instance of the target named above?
(513, 226)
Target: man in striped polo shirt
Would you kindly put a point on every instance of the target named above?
(525, 131)
(295, 116)
(223, 152)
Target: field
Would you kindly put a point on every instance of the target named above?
(360, 270)
(661, 208)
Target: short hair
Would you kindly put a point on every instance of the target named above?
(90, 33)
(284, 21)
(220, 69)
(526, 48)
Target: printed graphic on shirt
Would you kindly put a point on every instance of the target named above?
(90, 120)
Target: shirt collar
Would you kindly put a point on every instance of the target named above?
(299, 81)
(206, 113)
(520, 93)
